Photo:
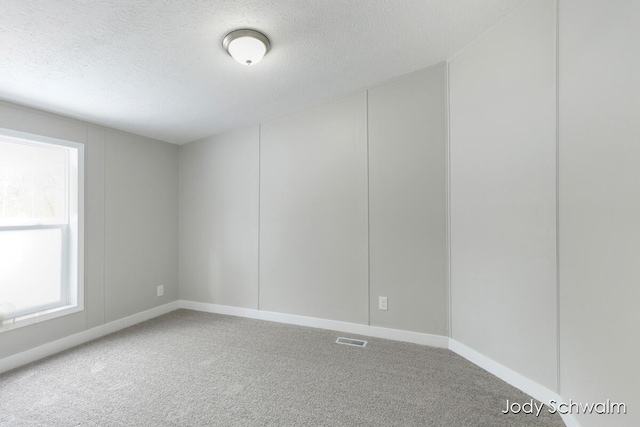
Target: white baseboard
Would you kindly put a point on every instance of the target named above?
(313, 322)
(569, 420)
(510, 376)
(66, 343)
(517, 380)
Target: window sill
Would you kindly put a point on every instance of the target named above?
(41, 316)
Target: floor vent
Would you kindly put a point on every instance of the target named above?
(351, 341)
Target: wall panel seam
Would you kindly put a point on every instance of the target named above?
(368, 213)
(104, 227)
(448, 194)
(259, 200)
(557, 47)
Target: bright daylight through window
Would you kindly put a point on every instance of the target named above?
(40, 228)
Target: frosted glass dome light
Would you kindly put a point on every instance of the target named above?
(246, 46)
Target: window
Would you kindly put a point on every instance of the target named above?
(41, 228)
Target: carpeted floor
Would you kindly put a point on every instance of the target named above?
(197, 369)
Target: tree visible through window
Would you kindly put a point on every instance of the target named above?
(39, 227)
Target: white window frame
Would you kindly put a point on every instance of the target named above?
(72, 285)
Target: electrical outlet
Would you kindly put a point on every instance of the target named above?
(160, 290)
(382, 303)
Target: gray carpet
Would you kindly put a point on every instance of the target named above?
(197, 369)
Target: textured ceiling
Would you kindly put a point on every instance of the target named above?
(157, 68)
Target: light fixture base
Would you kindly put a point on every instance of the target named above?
(245, 32)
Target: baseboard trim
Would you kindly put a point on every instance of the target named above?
(569, 420)
(519, 381)
(313, 322)
(510, 376)
(53, 347)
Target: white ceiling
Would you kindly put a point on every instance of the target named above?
(157, 67)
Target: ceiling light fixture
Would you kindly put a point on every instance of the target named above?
(246, 46)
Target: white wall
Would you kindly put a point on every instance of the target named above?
(313, 212)
(141, 227)
(600, 205)
(219, 179)
(122, 266)
(408, 202)
(503, 194)
(311, 182)
(275, 217)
